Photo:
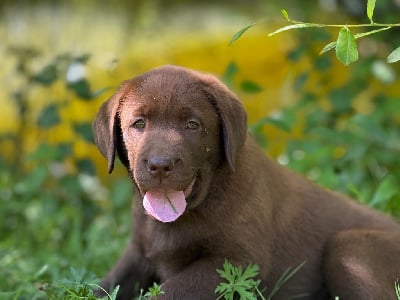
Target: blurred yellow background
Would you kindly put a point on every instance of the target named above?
(125, 39)
(122, 44)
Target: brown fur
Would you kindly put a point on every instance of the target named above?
(244, 207)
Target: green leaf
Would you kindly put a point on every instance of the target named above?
(340, 98)
(84, 129)
(300, 81)
(46, 76)
(385, 191)
(370, 10)
(394, 56)
(328, 47)
(238, 34)
(250, 272)
(82, 89)
(85, 165)
(231, 70)
(297, 53)
(323, 63)
(295, 26)
(250, 86)
(285, 14)
(49, 116)
(346, 47)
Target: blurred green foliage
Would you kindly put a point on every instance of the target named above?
(53, 208)
(350, 133)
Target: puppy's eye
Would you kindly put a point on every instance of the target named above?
(192, 125)
(139, 124)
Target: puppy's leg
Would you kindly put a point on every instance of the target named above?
(363, 264)
(196, 282)
(132, 272)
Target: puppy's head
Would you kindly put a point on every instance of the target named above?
(172, 127)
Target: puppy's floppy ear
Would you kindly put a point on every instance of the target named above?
(232, 114)
(106, 128)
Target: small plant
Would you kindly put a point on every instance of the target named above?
(76, 286)
(240, 283)
(397, 289)
(71, 290)
(154, 291)
(345, 45)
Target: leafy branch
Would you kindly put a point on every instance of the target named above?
(345, 44)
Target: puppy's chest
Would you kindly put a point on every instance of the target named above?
(170, 249)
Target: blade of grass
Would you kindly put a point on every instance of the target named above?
(284, 278)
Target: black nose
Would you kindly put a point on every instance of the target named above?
(160, 166)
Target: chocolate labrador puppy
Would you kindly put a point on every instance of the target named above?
(205, 192)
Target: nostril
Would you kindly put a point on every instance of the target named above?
(168, 168)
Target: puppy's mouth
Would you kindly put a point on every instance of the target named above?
(167, 205)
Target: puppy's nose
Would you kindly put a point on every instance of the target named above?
(160, 166)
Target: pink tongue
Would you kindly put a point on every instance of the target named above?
(163, 206)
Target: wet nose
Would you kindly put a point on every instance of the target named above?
(160, 166)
